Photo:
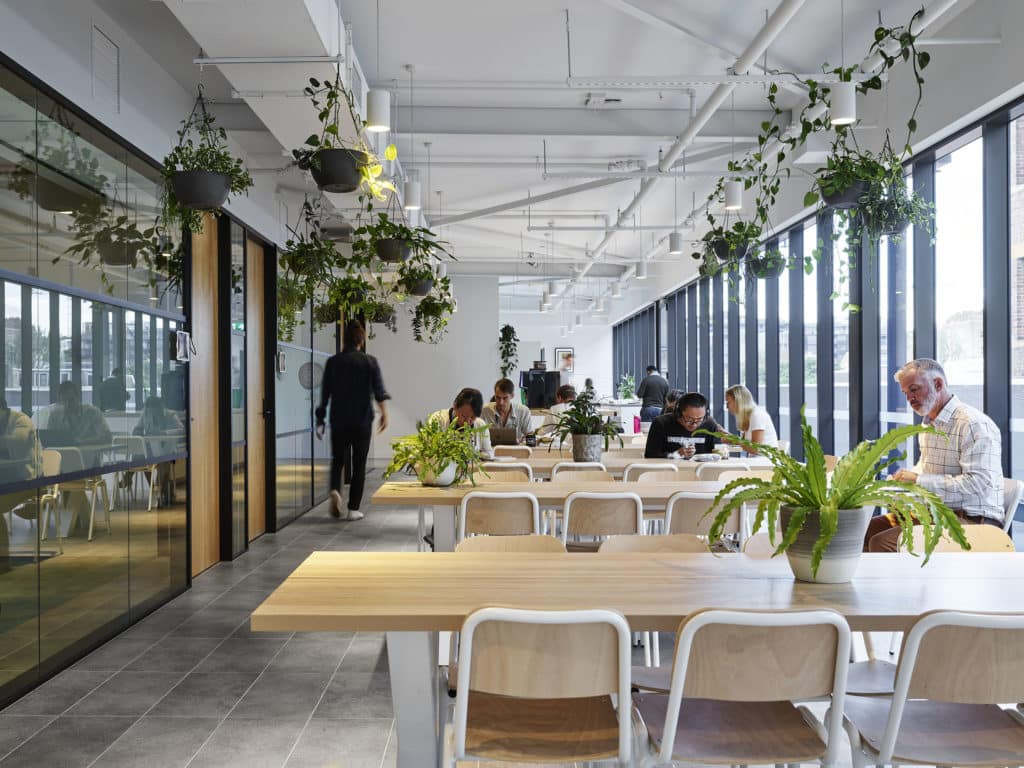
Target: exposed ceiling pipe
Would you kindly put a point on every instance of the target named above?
(641, 174)
(525, 201)
(775, 24)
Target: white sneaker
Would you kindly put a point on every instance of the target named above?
(355, 514)
(335, 504)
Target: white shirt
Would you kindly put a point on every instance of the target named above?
(759, 419)
(482, 441)
(963, 465)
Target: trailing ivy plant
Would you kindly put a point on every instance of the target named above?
(431, 314)
(508, 348)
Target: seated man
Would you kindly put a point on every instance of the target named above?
(671, 433)
(563, 399)
(466, 412)
(962, 466)
(506, 412)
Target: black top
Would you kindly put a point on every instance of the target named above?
(350, 378)
(666, 433)
(652, 391)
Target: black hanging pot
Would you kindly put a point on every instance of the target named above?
(381, 314)
(62, 195)
(765, 267)
(720, 247)
(117, 254)
(337, 170)
(888, 220)
(849, 197)
(201, 190)
(392, 250)
(421, 287)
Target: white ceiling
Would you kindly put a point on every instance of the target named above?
(492, 96)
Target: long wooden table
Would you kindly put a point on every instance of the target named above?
(445, 501)
(413, 596)
(615, 462)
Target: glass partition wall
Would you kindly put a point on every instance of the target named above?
(93, 485)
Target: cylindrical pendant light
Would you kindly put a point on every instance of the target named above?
(641, 270)
(378, 111)
(565, 332)
(552, 287)
(442, 270)
(616, 290)
(411, 194)
(675, 244)
(843, 103)
(545, 300)
(579, 320)
(599, 304)
(733, 195)
(541, 306)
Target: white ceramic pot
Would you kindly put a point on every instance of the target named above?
(841, 557)
(429, 478)
(587, 447)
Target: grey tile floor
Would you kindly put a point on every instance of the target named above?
(191, 685)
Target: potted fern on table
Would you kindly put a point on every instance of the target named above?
(437, 454)
(823, 520)
(587, 428)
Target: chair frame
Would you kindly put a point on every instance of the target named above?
(905, 674)
(502, 466)
(685, 495)
(496, 495)
(733, 465)
(712, 616)
(513, 615)
(1011, 501)
(642, 467)
(517, 451)
(596, 496)
(562, 466)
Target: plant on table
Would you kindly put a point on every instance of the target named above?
(434, 448)
(582, 422)
(801, 494)
(627, 387)
(508, 348)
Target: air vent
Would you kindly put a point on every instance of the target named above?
(106, 71)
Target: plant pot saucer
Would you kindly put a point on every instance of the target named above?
(201, 190)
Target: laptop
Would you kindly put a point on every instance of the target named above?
(503, 436)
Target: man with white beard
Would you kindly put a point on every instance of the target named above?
(962, 465)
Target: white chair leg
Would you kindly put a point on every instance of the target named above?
(645, 638)
(894, 643)
(152, 486)
(656, 650)
(92, 510)
(106, 502)
(60, 537)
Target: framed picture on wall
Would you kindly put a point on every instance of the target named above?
(565, 360)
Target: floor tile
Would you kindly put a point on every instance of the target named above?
(127, 693)
(56, 695)
(158, 742)
(356, 695)
(204, 695)
(242, 655)
(174, 654)
(116, 654)
(249, 744)
(342, 743)
(302, 654)
(15, 729)
(282, 695)
(68, 742)
(368, 653)
(212, 623)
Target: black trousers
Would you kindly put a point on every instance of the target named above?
(350, 446)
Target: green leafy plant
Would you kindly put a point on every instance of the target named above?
(806, 490)
(202, 146)
(421, 241)
(508, 348)
(583, 418)
(627, 386)
(434, 447)
(63, 156)
(431, 314)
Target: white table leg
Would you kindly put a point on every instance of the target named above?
(412, 663)
(444, 529)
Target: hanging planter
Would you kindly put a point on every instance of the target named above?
(393, 250)
(726, 250)
(766, 266)
(118, 254)
(338, 170)
(62, 196)
(844, 197)
(422, 287)
(200, 174)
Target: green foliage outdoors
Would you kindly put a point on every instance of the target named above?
(855, 483)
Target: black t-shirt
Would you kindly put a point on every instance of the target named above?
(666, 434)
(350, 379)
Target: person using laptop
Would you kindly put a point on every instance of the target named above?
(672, 434)
(506, 413)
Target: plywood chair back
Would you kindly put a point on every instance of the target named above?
(508, 472)
(498, 513)
(516, 451)
(830, 462)
(639, 440)
(1013, 493)
(982, 538)
(674, 542)
(686, 512)
(711, 470)
(568, 469)
(759, 656)
(783, 445)
(51, 462)
(758, 546)
(584, 475)
(527, 543)
(544, 655)
(742, 474)
(602, 514)
(661, 476)
(634, 471)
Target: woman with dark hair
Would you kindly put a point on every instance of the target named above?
(671, 399)
(466, 410)
(351, 383)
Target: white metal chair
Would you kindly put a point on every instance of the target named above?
(712, 469)
(735, 674)
(639, 440)
(95, 486)
(602, 514)
(729, 475)
(50, 497)
(130, 446)
(759, 546)
(498, 513)
(516, 451)
(635, 470)
(954, 670)
(508, 471)
(1013, 492)
(686, 512)
(531, 542)
(538, 686)
(661, 476)
(567, 467)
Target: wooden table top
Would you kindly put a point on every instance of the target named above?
(410, 591)
(541, 462)
(416, 494)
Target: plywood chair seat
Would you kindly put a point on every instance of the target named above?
(507, 728)
(941, 733)
(870, 678)
(708, 731)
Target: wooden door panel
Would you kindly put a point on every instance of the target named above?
(255, 363)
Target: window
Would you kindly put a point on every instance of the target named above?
(1017, 294)
(784, 342)
(811, 328)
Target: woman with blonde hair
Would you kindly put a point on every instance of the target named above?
(754, 422)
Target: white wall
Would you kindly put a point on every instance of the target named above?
(592, 345)
(52, 39)
(422, 378)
